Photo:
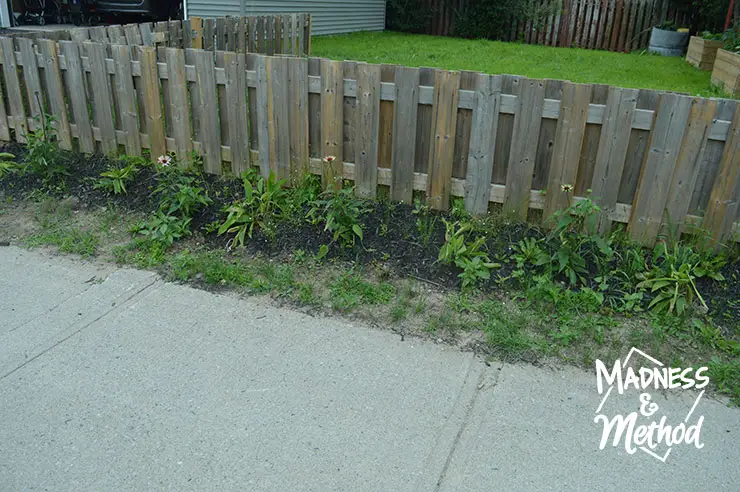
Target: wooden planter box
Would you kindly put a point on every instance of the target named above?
(702, 52)
(726, 72)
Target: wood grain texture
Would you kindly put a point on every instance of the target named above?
(102, 98)
(263, 141)
(657, 170)
(129, 109)
(13, 90)
(180, 108)
(31, 80)
(298, 115)
(567, 148)
(152, 102)
(54, 92)
(237, 111)
(690, 158)
(207, 99)
(612, 152)
(404, 139)
(482, 143)
(723, 206)
(385, 142)
(277, 116)
(332, 90)
(525, 130)
(367, 126)
(442, 138)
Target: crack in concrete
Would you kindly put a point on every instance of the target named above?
(117, 305)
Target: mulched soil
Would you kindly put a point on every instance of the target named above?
(391, 237)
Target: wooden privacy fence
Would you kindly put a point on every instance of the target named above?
(652, 159)
(614, 25)
(271, 34)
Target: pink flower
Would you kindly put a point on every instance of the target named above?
(164, 160)
(329, 158)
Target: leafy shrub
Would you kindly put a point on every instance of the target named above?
(43, 157)
(425, 222)
(7, 165)
(491, 19)
(408, 15)
(115, 178)
(341, 213)
(261, 207)
(163, 228)
(465, 254)
(180, 193)
(673, 274)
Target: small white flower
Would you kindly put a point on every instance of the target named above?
(329, 159)
(164, 160)
(566, 188)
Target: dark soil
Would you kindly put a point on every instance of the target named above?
(391, 237)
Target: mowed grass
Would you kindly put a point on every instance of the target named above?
(636, 70)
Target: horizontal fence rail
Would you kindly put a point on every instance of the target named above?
(652, 160)
(272, 34)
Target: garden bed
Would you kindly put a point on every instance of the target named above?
(702, 52)
(726, 72)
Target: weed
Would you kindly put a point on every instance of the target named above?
(67, 239)
(726, 376)
(351, 290)
(425, 222)
(43, 157)
(8, 165)
(162, 228)
(180, 193)
(467, 255)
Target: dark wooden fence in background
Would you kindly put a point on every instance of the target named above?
(614, 25)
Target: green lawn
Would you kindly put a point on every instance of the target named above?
(638, 70)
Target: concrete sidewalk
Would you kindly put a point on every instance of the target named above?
(112, 379)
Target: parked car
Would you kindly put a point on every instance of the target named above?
(155, 9)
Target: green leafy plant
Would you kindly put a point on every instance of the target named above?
(43, 157)
(425, 222)
(467, 255)
(262, 206)
(672, 277)
(7, 165)
(115, 178)
(180, 193)
(163, 228)
(341, 213)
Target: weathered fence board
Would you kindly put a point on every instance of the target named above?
(654, 161)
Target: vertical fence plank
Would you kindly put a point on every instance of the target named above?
(277, 116)
(99, 34)
(405, 109)
(690, 158)
(315, 147)
(526, 130)
(424, 124)
(657, 170)
(237, 111)
(442, 138)
(102, 97)
(482, 143)
(637, 149)
(196, 32)
(4, 116)
(75, 77)
(567, 147)
(590, 147)
(349, 69)
(298, 115)
(261, 47)
(723, 206)
(152, 103)
(612, 152)
(263, 143)
(55, 91)
(133, 34)
(242, 36)
(220, 43)
(31, 79)
(294, 50)
(546, 141)
(332, 92)
(79, 34)
(209, 29)
(251, 26)
(207, 99)
(127, 98)
(385, 137)
(510, 84)
(300, 33)
(367, 127)
(178, 102)
(463, 127)
(269, 35)
(13, 87)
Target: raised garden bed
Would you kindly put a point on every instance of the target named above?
(702, 52)
(726, 72)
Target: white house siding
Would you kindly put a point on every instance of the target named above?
(329, 16)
